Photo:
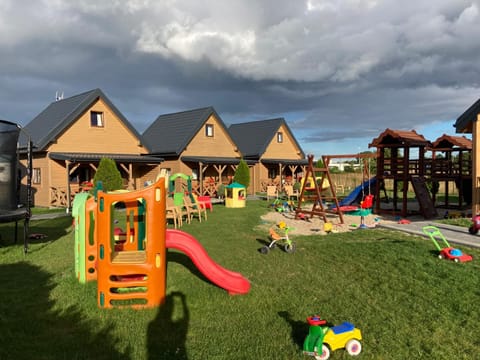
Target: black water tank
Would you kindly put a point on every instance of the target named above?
(9, 133)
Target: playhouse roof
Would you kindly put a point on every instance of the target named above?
(451, 142)
(235, 185)
(396, 138)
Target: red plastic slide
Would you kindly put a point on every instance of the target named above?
(231, 281)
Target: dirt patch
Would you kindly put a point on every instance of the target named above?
(316, 225)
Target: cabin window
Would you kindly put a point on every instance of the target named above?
(272, 173)
(209, 130)
(36, 176)
(279, 137)
(96, 119)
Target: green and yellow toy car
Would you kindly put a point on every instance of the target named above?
(322, 339)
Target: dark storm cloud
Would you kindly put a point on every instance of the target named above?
(344, 68)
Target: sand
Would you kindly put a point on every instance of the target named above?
(315, 225)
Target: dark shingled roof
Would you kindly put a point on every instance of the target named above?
(299, 162)
(89, 157)
(170, 134)
(464, 121)
(47, 126)
(215, 160)
(253, 137)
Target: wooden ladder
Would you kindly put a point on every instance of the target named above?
(427, 208)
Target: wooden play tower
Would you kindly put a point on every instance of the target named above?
(454, 165)
(401, 160)
(319, 197)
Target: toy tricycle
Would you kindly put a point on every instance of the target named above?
(322, 339)
(288, 245)
(448, 252)
(473, 229)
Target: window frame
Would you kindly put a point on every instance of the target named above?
(37, 176)
(209, 130)
(279, 137)
(94, 119)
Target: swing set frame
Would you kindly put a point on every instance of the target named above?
(367, 200)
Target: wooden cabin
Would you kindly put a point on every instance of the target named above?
(468, 123)
(196, 143)
(70, 137)
(277, 156)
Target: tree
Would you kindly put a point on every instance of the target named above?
(108, 174)
(242, 174)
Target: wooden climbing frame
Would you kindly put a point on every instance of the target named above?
(318, 198)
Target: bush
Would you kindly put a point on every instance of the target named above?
(108, 174)
(242, 174)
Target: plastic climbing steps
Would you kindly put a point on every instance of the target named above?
(318, 198)
(134, 275)
(427, 208)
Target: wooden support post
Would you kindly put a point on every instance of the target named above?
(475, 167)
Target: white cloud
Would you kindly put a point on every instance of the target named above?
(378, 63)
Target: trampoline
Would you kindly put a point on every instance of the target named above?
(10, 208)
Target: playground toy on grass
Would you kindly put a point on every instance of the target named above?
(446, 253)
(130, 265)
(323, 339)
(473, 229)
(328, 227)
(288, 245)
(283, 205)
(302, 216)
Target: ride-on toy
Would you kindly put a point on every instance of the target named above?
(275, 238)
(322, 339)
(448, 252)
(473, 229)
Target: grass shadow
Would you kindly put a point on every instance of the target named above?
(166, 334)
(263, 242)
(30, 322)
(299, 329)
(182, 259)
(49, 230)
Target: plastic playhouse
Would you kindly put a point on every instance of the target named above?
(235, 195)
(130, 265)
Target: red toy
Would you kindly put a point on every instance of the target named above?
(448, 253)
(473, 229)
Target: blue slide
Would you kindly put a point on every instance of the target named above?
(356, 194)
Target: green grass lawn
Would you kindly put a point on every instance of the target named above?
(407, 302)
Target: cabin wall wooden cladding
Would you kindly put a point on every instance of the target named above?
(284, 150)
(113, 137)
(41, 191)
(219, 145)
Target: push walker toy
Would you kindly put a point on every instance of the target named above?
(275, 238)
(322, 339)
(448, 252)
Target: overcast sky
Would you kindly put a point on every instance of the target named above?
(339, 71)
